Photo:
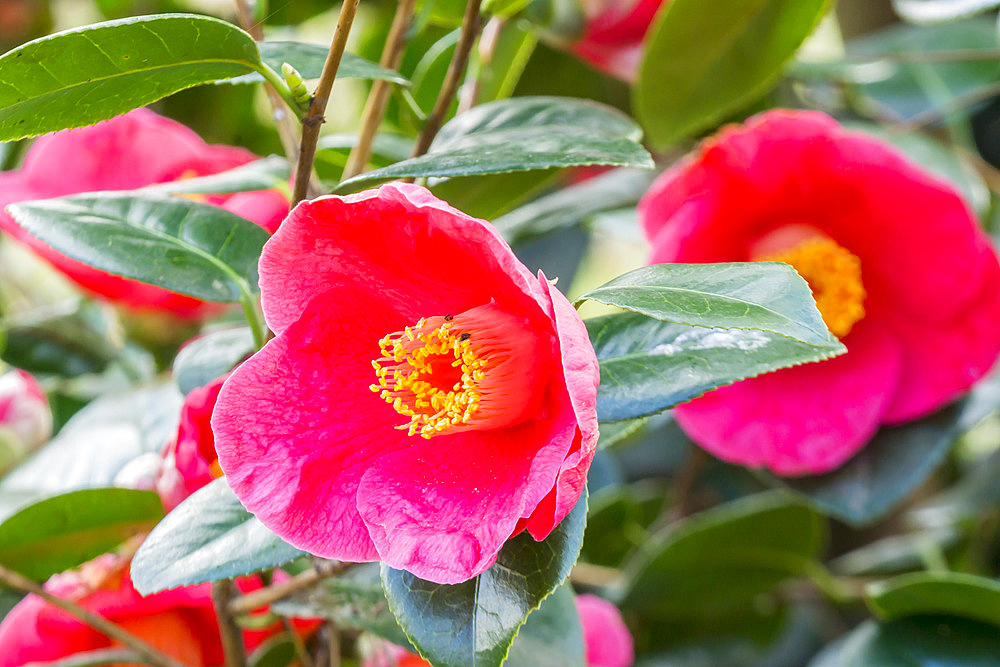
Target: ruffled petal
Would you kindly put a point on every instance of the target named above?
(803, 420)
(33, 631)
(398, 241)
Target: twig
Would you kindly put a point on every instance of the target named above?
(147, 653)
(313, 119)
(378, 98)
(229, 631)
(487, 48)
(596, 576)
(305, 660)
(284, 119)
(456, 69)
(333, 643)
(265, 596)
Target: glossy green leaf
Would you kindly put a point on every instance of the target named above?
(952, 593)
(80, 76)
(263, 174)
(211, 356)
(768, 296)
(649, 365)
(64, 531)
(705, 59)
(892, 465)
(725, 556)
(207, 537)
(476, 621)
(196, 249)
(934, 11)
(924, 641)
(552, 635)
(522, 134)
(308, 59)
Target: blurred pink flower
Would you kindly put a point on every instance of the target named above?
(131, 151)
(901, 273)
(614, 32)
(25, 417)
(477, 421)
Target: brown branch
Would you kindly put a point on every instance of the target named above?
(305, 660)
(265, 596)
(284, 119)
(229, 631)
(333, 643)
(487, 49)
(146, 653)
(378, 98)
(456, 69)
(313, 120)
(596, 576)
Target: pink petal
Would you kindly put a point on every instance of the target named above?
(267, 208)
(803, 420)
(398, 241)
(607, 639)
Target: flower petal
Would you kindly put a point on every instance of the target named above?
(803, 420)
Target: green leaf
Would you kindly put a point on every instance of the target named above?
(923, 641)
(207, 537)
(196, 249)
(101, 656)
(891, 466)
(64, 531)
(934, 11)
(705, 59)
(263, 174)
(552, 635)
(648, 365)
(952, 593)
(725, 556)
(769, 296)
(522, 134)
(211, 356)
(308, 59)
(81, 76)
(475, 622)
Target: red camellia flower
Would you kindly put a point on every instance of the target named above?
(615, 29)
(190, 461)
(131, 151)
(426, 396)
(900, 271)
(179, 622)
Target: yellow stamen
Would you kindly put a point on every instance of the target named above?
(834, 275)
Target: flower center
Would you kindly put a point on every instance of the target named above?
(834, 275)
(472, 371)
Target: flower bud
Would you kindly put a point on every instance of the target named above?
(25, 418)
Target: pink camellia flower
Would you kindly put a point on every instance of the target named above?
(190, 461)
(179, 622)
(426, 396)
(131, 151)
(607, 641)
(615, 29)
(25, 417)
(900, 271)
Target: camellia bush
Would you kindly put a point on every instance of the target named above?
(546, 333)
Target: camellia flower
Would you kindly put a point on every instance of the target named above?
(426, 397)
(180, 622)
(190, 461)
(607, 641)
(25, 417)
(131, 151)
(615, 29)
(900, 271)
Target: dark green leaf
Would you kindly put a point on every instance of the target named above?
(195, 249)
(725, 556)
(64, 531)
(263, 174)
(84, 75)
(953, 593)
(552, 635)
(521, 134)
(923, 641)
(207, 537)
(211, 356)
(648, 365)
(276, 651)
(933, 11)
(476, 621)
(308, 59)
(769, 296)
(705, 59)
